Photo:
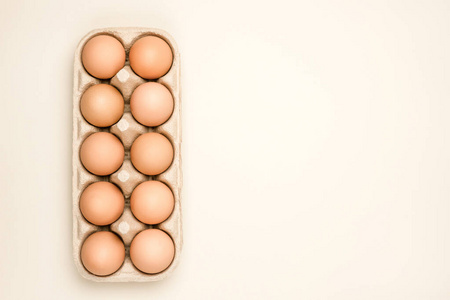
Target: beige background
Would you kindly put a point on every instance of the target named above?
(316, 156)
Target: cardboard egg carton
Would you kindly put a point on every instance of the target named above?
(127, 129)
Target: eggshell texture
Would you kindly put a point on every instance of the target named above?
(102, 203)
(102, 105)
(150, 57)
(151, 104)
(102, 253)
(152, 202)
(152, 251)
(102, 153)
(103, 56)
(151, 153)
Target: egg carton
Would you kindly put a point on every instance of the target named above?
(127, 129)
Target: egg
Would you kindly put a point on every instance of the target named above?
(102, 253)
(102, 105)
(152, 251)
(151, 153)
(151, 104)
(150, 57)
(152, 202)
(102, 153)
(103, 56)
(102, 203)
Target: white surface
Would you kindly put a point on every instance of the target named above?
(316, 156)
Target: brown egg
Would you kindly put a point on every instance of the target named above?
(151, 104)
(102, 253)
(152, 251)
(151, 57)
(151, 153)
(103, 56)
(102, 105)
(102, 153)
(152, 202)
(102, 203)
